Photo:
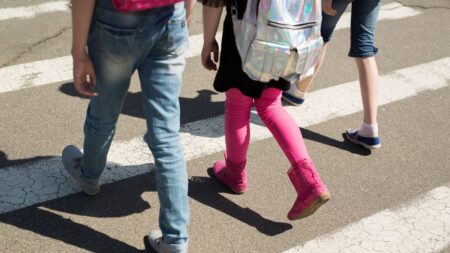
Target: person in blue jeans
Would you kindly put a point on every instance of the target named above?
(364, 15)
(152, 42)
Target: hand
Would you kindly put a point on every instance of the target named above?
(328, 8)
(209, 61)
(84, 75)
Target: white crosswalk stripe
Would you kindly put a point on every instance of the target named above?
(34, 10)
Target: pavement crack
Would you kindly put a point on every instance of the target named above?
(423, 7)
(28, 49)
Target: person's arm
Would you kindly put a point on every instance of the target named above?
(211, 19)
(83, 70)
(189, 6)
(327, 7)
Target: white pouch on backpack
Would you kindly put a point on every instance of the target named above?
(278, 38)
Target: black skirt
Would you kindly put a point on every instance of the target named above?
(230, 73)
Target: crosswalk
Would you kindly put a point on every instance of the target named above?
(428, 215)
(60, 69)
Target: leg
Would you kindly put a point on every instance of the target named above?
(113, 65)
(304, 84)
(160, 73)
(102, 115)
(281, 125)
(237, 125)
(297, 93)
(113, 68)
(231, 171)
(311, 192)
(368, 80)
(363, 26)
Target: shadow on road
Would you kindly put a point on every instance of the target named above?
(120, 199)
(207, 191)
(344, 144)
(117, 199)
(317, 137)
(192, 109)
(5, 162)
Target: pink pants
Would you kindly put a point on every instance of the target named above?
(272, 113)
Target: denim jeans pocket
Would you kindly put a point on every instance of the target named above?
(177, 41)
(117, 44)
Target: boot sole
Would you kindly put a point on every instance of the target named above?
(213, 176)
(318, 202)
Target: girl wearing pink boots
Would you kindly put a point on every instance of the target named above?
(241, 94)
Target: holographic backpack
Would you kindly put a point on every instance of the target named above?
(277, 38)
(139, 5)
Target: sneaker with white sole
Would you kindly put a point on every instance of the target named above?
(291, 99)
(367, 142)
(71, 158)
(155, 241)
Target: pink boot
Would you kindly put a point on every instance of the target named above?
(234, 176)
(312, 193)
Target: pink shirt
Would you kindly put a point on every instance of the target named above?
(137, 5)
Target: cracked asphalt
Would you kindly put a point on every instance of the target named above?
(368, 188)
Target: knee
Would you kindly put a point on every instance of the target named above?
(362, 48)
(162, 141)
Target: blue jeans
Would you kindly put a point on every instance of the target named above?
(363, 25)
(152, 42)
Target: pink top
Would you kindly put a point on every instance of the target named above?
(138, 5)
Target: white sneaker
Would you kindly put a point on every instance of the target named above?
(71, 158)
(155, 242)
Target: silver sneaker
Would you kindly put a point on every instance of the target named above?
(71, 158)
(154, 241)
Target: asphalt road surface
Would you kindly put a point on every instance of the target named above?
(396, 199)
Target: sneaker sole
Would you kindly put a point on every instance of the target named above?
(88, 189)
(291, 102)
(318, 202)
(147, 245)
(362, 143)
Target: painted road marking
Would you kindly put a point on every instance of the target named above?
(422, 225)
(57, 70)
(44, 180)
(34, 10)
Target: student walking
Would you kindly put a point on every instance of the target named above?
(362, 49)
(152, 42)
(241, 94)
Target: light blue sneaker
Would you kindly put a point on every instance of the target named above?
(367, 142)
(155, 242)
(71, 158)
